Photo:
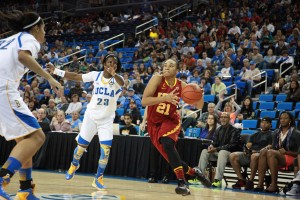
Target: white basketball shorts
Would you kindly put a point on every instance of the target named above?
(92, 124)
(16, 120)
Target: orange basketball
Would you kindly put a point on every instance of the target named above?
(191, 93)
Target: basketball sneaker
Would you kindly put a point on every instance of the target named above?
(295, 190)
(182, 188)
(98, 183)
(297, 178)
(26, 194)
(217, 183)
(3, 182)
(70, 173)
(201, 177)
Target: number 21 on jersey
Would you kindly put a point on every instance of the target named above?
(163, 108)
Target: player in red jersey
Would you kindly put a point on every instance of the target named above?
(162, 96)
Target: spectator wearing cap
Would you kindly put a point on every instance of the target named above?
(257, 141)
(284, 60)
(256, 56)
(248, 77)
(135, 113)
(132, 97)
(83, 97)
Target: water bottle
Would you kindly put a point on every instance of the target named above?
(190, 131)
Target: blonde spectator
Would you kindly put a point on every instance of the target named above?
(75, 121)
(59, 123)
(51, 110)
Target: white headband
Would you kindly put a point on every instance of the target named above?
(32, 24)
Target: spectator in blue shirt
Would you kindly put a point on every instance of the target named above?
(132, 97)
(75, 121)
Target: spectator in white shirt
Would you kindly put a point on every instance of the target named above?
(75, 105)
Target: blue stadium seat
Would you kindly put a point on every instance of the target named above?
(142, 111)
(268, 113)
(280, 97)
(254, 105)
(248, 131)
(288, 106)
(209, 98)
(274, 124)
(120, 111)
(266, 105)
(266, 97)
(250, 124)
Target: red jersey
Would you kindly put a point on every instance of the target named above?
(164, 111)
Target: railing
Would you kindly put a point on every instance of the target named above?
(262, 82)
(155, 20)
(280, 67)
(235, 92)
(113, 44)
(177, 11)
(82, 57)
(191, 113)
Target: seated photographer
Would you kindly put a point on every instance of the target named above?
(256, 142)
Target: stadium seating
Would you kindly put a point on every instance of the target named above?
(249, 124)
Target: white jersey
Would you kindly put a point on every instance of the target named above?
(11, 68)
(105, 95)
(16, 120)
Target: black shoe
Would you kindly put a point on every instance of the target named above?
(200, 176)
(152, 180)
(249, 185)
(182, 188)
(257, 189)
(165, 180)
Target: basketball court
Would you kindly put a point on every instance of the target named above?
(52, 185)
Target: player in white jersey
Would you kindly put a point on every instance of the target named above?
(100, 113)
(17, 54)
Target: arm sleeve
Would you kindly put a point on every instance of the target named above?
(29, 44)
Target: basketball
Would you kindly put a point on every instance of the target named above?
(191, 93)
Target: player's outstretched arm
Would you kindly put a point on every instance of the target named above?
(67, 75)
(148, 96)
(27, 60)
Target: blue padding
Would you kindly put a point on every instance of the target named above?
(107, 142)
(29, 120)
(82, 141)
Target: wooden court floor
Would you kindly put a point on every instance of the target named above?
(52, 185)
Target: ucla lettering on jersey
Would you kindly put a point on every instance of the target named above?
(104, 91)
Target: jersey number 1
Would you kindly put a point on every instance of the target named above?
(163, 108)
